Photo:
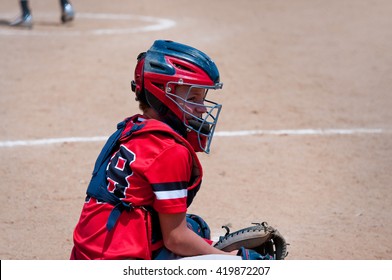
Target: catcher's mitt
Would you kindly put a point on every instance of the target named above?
(261, 238)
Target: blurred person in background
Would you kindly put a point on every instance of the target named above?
(26, 19)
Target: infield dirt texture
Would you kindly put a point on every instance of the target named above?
(311, 78)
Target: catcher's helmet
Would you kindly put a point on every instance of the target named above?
(167, 65)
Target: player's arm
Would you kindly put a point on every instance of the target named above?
(179, 239)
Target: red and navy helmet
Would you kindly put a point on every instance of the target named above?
(160, 70)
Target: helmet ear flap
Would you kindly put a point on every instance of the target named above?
(137, 85)
(143, 94)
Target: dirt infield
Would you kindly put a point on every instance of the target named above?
(311, 77)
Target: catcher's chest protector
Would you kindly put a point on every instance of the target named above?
(97, 187)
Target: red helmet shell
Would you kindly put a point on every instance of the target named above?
(167, 64)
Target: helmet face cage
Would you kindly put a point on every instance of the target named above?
(204, 125)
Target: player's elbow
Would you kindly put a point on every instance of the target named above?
(172, 243)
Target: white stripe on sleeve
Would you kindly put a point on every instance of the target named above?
(171, 194)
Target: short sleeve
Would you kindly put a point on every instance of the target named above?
(169, 176)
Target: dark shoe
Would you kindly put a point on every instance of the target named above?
(67, 13)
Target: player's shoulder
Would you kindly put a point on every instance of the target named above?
(138, 125)
(152, 137)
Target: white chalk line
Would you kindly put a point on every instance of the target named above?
(238, 133)
(153, 24)
(301, 132)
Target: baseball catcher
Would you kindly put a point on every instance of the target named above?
(148, 173)
(258, 242)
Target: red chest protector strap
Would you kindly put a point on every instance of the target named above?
(97, 187)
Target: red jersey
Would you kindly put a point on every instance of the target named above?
(154, 168)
